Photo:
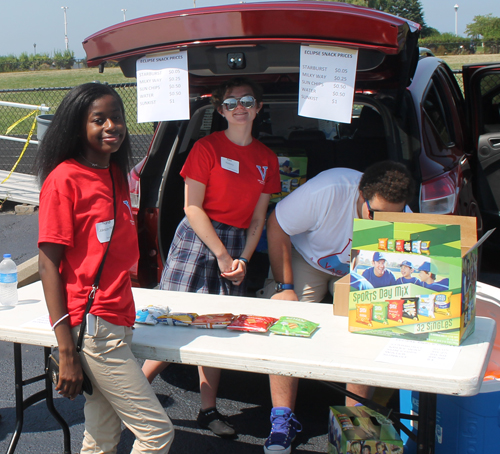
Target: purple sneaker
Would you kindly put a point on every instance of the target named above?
(283, 431)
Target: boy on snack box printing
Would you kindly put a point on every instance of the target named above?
(428, 279)
(406, 270)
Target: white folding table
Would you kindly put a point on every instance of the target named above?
(332, 354)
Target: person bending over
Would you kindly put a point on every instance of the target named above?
(308, 253)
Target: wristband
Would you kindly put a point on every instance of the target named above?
(279, 287)
(244, 260)
(59, 321)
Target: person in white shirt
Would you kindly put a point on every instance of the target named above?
(309, 250)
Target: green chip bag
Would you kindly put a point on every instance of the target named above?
(294, 326)
(379, 312)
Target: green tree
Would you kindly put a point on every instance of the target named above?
(408, 9)
(8, 63)
(64, 60)
(24, 62)
(445, 43)
(487, 27)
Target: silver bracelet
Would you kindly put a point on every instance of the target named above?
(59, 321)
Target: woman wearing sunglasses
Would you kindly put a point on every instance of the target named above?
(229, 178)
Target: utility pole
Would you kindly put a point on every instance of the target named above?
(65, 27)
(456, 19)
(124, 17)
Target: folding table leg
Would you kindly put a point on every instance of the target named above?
(22, 404)
(426, 434)
(18, 380)
(49, 399)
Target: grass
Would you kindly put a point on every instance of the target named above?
(60, 78)
(52, 98)
(457, 61)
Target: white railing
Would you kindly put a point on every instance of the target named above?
(41, 108)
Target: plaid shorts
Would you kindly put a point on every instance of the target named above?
(192, 267)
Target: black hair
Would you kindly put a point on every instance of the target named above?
(62, 139)
(220, 91)
(388, 179)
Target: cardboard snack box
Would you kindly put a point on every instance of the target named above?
(414, 280)
(468, 234)
(293, 173)
(360, 430)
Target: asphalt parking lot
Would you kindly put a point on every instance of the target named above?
(243, 396)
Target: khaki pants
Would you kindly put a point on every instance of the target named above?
(121, 394)
(310, 285)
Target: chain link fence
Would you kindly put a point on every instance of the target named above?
(460, 78)
(140, 133)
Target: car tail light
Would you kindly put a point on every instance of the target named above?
(440, 195)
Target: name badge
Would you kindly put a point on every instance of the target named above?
(229, 164)
(104, 230)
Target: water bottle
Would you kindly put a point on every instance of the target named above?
(8, 281)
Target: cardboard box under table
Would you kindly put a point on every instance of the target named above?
(442, 311)
(353, 429)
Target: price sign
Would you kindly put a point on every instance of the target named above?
(162, 87)
(327, 79)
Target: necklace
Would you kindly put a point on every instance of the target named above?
(96, 166)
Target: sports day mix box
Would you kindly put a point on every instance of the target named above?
(361, 430)
(414, 280)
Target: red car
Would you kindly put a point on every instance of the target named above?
(406, 108)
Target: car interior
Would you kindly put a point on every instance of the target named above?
(323, 144)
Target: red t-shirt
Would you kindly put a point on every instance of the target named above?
(234, 177)
(75, 203)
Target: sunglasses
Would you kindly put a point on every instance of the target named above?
(246, 101)
(371, 211)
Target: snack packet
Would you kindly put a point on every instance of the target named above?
(382, 243)
(379, 312)
(364, 313)
(425, 247)
(213, 321)
(400, 245)
(395, 310)
(346, 422)
(252, 323)
(410, 308)
(407, 246)
(149, 315)
(416, 246)
(294, 326)
(177, 318)
(391, 244)
(426, 305)
(442, 303)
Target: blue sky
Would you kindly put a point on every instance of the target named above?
(26, 22)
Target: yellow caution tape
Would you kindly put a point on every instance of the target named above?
(10, 128)
(27, 140)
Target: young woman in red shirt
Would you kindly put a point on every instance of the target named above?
(84, 209)
(229, 178)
